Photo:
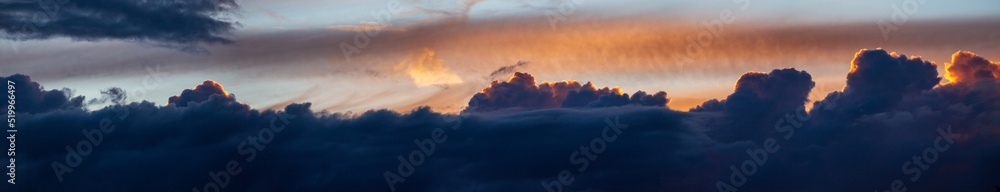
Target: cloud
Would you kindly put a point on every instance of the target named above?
(759, 100)
(780, 90)
(114, 95)
(836, 147)
(575, 49)
(504, 70)
(640, 98)
(521, 92)
(172, 23)
(710, 105)
(31, 97)
(893, 106)
(879, 79)
(877, 70)
(970, 101)
(321, 151)
(428, 70)
(967, 67)
(205, 91)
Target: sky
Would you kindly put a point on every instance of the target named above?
(502, 95)
(293, 48)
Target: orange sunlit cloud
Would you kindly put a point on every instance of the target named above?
(966, 67)
(427, 70)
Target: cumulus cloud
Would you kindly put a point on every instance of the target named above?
(710, 105)
(31, 97)
(640, 98)
(520, 91)
(970, 101)
(879, 79)
(899, 112)
(199, 93)
(758, 100)
(967, 67)
(343, 152)
(181, 23)
(780, 90)
(874, 71)
(833, 147)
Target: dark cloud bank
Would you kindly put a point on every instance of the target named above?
(519, 135)
(181, 23)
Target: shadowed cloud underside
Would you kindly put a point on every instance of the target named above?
(516, 135)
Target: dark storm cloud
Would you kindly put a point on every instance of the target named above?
(710, 105)
(173, 148)
(758, 100)
(879, 79)
(173, 22)
(835, 147)
(521, 92)
(31, 97)
(640, 98)
(780, 90)
(896, 117)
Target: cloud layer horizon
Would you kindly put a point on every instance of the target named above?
(894, 122)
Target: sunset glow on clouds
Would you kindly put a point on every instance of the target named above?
(427, 70)
(560, 56)
(638, 53)
(618, 95)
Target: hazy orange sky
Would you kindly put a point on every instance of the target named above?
(441, 58)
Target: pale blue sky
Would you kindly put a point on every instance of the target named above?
(310, 13)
